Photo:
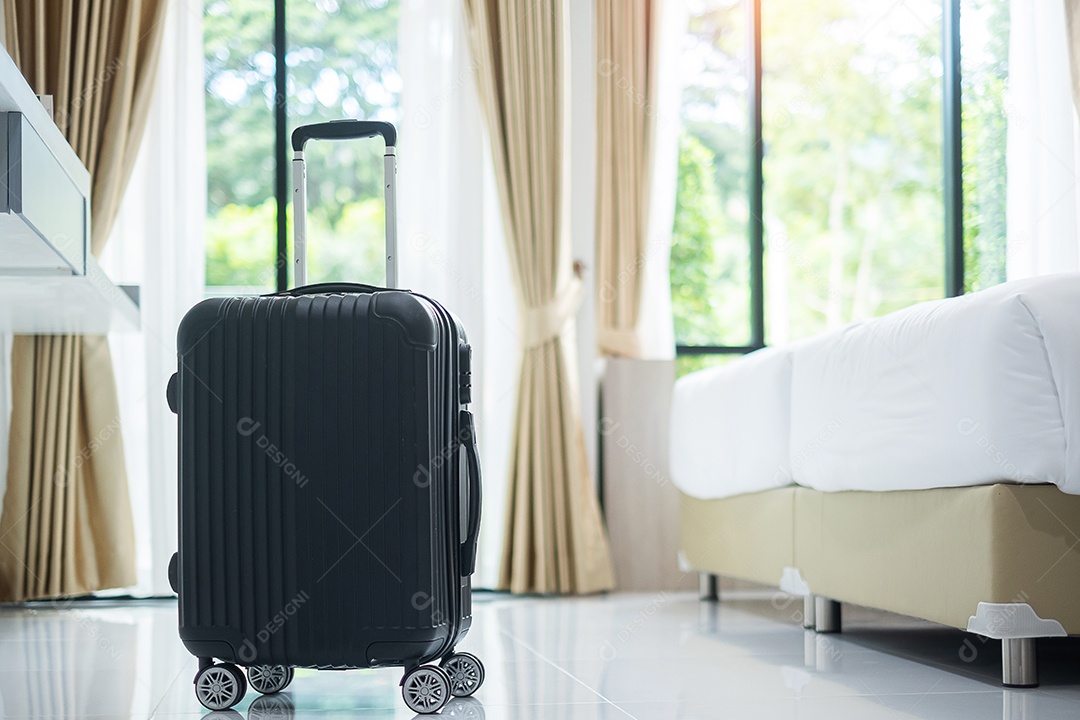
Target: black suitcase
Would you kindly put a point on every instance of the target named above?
(329, 483)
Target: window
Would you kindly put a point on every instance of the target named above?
(845, 106)
(710, 250)
(341, 61)
(984, 57)
(239, 45)
(853, 198)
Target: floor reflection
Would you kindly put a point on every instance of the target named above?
(648, 656)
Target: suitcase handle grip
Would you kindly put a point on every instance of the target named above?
(468, 443)
(330, 287)
(346, 129)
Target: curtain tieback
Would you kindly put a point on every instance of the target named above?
(619, 342)
(545, 323)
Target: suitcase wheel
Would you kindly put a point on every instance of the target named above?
(219, 687)
(426, 689)
(269, 679)
(466, 673)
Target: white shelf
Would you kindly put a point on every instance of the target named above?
(49, 281)
(89, 304)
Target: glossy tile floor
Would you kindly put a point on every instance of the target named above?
(650, 656)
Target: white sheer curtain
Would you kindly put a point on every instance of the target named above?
(657, 323)
(1042, 144)
(450, 237)
(158, 245)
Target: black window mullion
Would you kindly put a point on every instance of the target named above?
(281, 146)
(952, 149)
(756, 225)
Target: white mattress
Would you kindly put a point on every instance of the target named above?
(729, 426)
(968, 391)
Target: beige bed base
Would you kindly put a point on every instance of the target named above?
(999, 560)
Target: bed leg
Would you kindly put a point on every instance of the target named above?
(1018, 665)
(808, 612)
(709, 587)
(826, 615)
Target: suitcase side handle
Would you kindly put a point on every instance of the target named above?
(343, 130)
(472, 456)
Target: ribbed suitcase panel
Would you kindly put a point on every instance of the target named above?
(304, 537)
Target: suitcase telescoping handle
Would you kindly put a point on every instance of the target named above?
(343, 130)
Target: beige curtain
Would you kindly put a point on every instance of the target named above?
(625, 114)
(555, 539)
(638, 96)
(66, 525)
(1072, 36)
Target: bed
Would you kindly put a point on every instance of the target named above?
(925, 463)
